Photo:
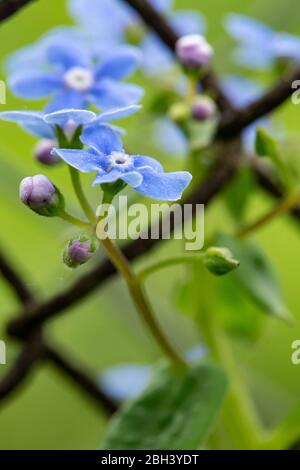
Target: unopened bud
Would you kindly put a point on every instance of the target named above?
(203, 108)
(219, 261)
(78, 251)
(38, 193)
(193, 51)
(42, 152)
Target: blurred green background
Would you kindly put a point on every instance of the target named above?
(49, 412)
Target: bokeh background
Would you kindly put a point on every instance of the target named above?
(49, 412)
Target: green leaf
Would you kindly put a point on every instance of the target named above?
(239, 193)
(176, 411)
(238, 314)
(265, 144)
(257, 276)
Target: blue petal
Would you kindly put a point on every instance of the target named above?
(102, 139)
(257, 58)
(29, 57)
(170, 137)
(116, 114)
(152, 46)
(108, 18)
(108, 177)
(67, 99)
(141, 161)
(163, 186)
(109, 94)
(196, 353)
(78, 116)
(164, 6)
(286, 46)
(126, 381)
(188, 22)
(83, 160)
(120, 64)
(133, 178)
(35, 85)
(241, 90)
(248, 30)
(117, 129)
(67, 55)
(31, 121)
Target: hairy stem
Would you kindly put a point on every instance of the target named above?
(153, 268)
(284, 206)
(74, 221)
(88, 211)
(139, 298)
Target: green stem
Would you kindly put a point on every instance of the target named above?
(238, 413)
(285, 205)
(139, 298)
(74, 221)
(145, 273)
(88, 211)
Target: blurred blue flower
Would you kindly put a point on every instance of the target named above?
(259, 46)
(107, 156)
(170, 138)
(125, 382)
(112, 21)
(43, 124)
(242, 92)
(69, 75)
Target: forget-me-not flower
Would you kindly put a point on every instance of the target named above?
(260, 46)
(107, 157)
(69, 75)
(111, 21)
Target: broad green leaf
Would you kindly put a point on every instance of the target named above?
(257, 276)
(176, 411)
(239, 315)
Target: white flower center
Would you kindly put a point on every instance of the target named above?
(120, 160)
(79, 79)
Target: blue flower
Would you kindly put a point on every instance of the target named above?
(127, 381)
(70, 76)
(260, 46)
(43, 124)
(107, 157)
(112, 20)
